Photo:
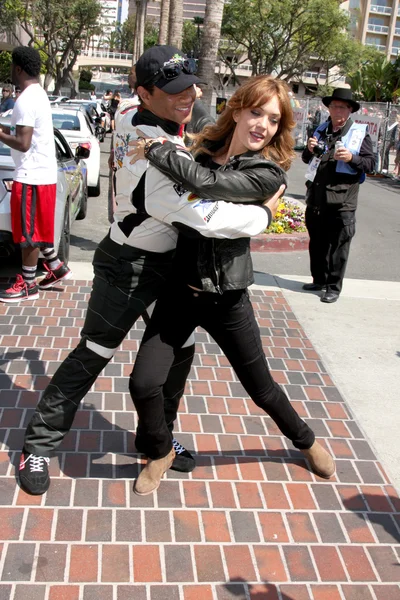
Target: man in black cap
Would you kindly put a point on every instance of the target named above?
(131, 263)
(338, 155)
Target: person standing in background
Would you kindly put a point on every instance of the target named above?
(33, 196)
(338, 155)
(7, 101)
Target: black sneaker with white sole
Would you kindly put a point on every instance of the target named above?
(62, 273)
(34, 473)
(20, 291)
(183, 461)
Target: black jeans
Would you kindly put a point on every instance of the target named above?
(230, 320)
(127, 280)
(331, 232)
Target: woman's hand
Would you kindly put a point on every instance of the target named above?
(273, 202)
(138, 152)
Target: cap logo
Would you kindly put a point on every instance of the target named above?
(177, 59)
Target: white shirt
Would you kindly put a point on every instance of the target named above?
(38, 165)
(165, 202)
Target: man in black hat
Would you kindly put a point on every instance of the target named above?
(338, 155)
(130, 265)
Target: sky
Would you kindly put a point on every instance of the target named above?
(125, 5)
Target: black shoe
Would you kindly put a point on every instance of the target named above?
(34, 473)
(330, 297)
(183, 461)
(313, 287)
(54, 276)
(19, 291)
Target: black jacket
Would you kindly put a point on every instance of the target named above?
(337, 190)
(217, 265)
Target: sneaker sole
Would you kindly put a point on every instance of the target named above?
(30, 492)
(15, 300)
(49, 285)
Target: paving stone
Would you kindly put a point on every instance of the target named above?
(250, 521)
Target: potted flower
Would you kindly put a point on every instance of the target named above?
(289, 218)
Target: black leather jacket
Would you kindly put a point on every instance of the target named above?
(217, 265)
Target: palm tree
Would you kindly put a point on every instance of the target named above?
(210, 37)
(164, 21)
(141, 10)
(175, 23)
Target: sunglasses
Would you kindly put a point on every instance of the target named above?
(173, 68)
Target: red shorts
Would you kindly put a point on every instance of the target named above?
(32, 214)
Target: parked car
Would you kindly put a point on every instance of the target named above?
(56, 99)
(78, 129)
(71, 201)
(95, 109)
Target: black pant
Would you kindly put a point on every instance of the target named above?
(229, 319)
(127, 280)
(331, 232)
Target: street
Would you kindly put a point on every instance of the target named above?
(86, 234)
(374, 251)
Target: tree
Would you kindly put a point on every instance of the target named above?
(151, 33)
(5, 67)
(140, 21)
(128, 34)
(58, 30)
(209, 46)
(84, 80)
(377, 80)
(175, 23)
(285, 38)
(191, 37)
(164, 22)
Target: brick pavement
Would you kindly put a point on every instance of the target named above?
(251, 522)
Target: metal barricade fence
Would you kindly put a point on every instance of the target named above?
(382, 118)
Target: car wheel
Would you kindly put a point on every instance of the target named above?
(95, 191)
(63, 248)
(84, 203)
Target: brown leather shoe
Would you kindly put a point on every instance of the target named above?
(150, 477)
(320, 460)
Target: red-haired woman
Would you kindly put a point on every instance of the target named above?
(208, 286)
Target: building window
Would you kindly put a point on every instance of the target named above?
(376, 21)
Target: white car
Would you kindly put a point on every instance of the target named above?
(78, 130)
(99, 108)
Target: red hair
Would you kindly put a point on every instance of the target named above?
(255, 92)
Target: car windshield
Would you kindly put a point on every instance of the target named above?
(66, 121)
(4, 150)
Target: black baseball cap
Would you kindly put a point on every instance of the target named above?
(149, 66)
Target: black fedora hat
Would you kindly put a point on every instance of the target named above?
(344, 95)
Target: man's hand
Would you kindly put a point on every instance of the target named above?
(343, 154)
(273, 202)
(312, 141)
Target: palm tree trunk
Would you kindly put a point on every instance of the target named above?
(164, 20)
(209, 46)
(175, 23)
(141, 10)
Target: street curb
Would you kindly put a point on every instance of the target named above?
(279, 242)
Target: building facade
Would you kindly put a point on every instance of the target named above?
(191, 8)
(110, 9)
(376, 23)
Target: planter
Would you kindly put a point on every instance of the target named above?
(280, 242)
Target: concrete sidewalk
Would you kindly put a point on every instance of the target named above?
(251, 522)
(358, 339)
